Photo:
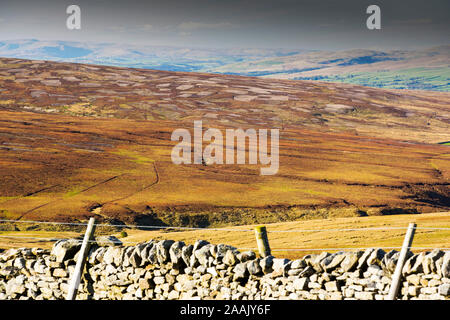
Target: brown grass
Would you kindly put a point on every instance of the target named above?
(57, 167)
(288, 240)
(73, 151)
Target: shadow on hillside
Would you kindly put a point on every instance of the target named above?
(149, 220)
(393, 211)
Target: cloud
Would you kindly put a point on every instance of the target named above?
(326, 25)
(413, 21)
(134, 29)
(147, 27)
(117, 28)
(191, 25)
(185, 33)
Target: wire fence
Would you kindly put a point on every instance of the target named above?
(219, 229)
(237, 229)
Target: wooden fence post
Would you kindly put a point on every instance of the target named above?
(397, 277)
(262, 241)
(82, 255)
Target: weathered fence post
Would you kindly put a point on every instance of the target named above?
(76, 277)
(397, 277)
(262, 241)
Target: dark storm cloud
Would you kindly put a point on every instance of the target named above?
(307, 24)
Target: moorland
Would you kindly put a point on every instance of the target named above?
(80, 140)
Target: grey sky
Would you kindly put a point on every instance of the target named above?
(326, 24)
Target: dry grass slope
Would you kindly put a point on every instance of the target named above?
(81, 140)
(326, 237)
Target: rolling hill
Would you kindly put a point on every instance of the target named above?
(425, 69)
(78, 140)
(422, 69)
(135, 56)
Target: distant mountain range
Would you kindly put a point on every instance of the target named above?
(427, 69)
(134, 56)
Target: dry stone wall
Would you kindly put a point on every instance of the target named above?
(173, 270)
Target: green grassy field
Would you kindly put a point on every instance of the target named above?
(437, 79)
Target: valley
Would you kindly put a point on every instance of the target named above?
(80, 140)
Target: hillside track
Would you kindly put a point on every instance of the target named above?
(61, 199)
(344, 149)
